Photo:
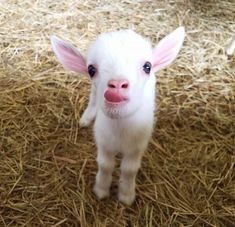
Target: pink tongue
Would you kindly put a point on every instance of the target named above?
(111, 96)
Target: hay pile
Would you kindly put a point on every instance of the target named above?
(47, 163)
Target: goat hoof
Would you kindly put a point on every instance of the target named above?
(84, 121)
(100, 192)
(127, 199)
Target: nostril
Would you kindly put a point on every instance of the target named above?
(111, 85)
(125, 85)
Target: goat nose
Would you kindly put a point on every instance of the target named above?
(118, 84)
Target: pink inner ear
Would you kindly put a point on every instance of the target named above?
(167, 49)
(72, 59)
(164, 53)
(69, 56)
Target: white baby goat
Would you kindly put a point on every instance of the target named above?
(121, 66)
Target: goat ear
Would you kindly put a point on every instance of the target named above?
(167, 49)
(68, 55)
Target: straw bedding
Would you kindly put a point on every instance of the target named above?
(47, 163)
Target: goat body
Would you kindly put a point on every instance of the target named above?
(121, 66)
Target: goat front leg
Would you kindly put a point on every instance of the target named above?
(106, 162)
(89, 114)
(129, 168)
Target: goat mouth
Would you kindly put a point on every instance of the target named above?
(109, 104)
(114, 97)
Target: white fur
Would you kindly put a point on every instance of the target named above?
(126, 128)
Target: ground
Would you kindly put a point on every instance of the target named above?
(47, 164)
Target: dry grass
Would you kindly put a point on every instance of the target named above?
(47, 164)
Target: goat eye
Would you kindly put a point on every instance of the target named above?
(91, 70)
(147, 67)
